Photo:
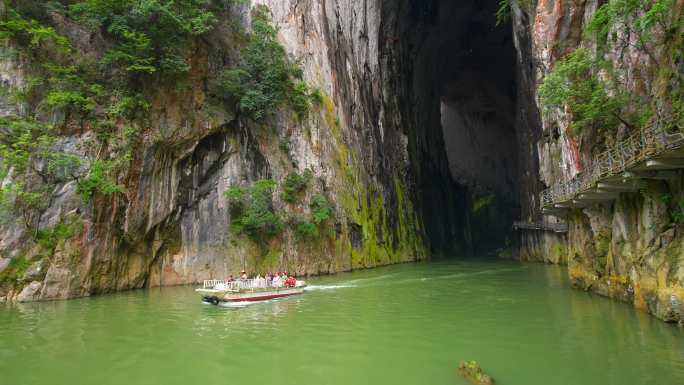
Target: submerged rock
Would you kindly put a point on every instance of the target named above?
(472, 371)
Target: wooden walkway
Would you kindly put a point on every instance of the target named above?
(543, 226)
(651, 153)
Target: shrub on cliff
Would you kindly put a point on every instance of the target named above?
(100, 179)
(618, 20)
(294, 185)
(265, 78)
(309, 228)
(14, 271)
(31, 165)
(591, 89)
(252, 211)
(320, 209)
(304, 230)
(38, 38)
(574, 85)
(150, 35)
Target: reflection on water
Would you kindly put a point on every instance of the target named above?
(408, 324)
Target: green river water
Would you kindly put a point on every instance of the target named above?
(407, 324)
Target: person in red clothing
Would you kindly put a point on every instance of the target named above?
(290, 282)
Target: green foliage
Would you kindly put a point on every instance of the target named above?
(676, 212)
(134, 53)
(68, 99)
(320, 209)
(28, 156)
(150, 34)
(65, 87)
(503, 13)
(101, 179)
(574, 86)
(294, 185)
(148, 40)
(585, 86)
(15, 270)
(17, 143)
(235, 194)
(128, 106)
(483, 202)
(310, 229)
(252, 211)
(316, 96)
(305, 230)
(617, 19)
(300, 99)
(239, 2)
(31, 33)
(48, 239)
(265, 78)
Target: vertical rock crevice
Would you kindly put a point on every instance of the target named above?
(458, 99)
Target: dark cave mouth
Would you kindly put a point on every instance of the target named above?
(464, 73)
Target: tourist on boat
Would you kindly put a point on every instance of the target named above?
(259, 281)
(243, 276)
(269, 279)
(277, 281)
(230, 278)
(290, 282)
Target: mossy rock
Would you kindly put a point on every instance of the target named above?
(472, 371)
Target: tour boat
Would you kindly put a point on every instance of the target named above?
(216, 290)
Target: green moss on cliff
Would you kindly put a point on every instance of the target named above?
(14, 271)
(559, 252)
(49, 239)
(366, 208)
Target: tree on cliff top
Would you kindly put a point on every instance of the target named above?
(150, 34)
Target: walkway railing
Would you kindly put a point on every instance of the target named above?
(648, 143)
(544, 226)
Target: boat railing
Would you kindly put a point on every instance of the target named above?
(241, 284)
(210, 283)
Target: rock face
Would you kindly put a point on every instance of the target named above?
(172, 224)
(629, 248)
(402, 188)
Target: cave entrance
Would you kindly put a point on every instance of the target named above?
(464, 82)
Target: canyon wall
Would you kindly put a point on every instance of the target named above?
(425, 133)
(630, 248)
(172, 222)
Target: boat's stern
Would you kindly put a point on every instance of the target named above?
(212, 296)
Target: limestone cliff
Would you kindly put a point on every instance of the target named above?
(171, 223)
(629, 248)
